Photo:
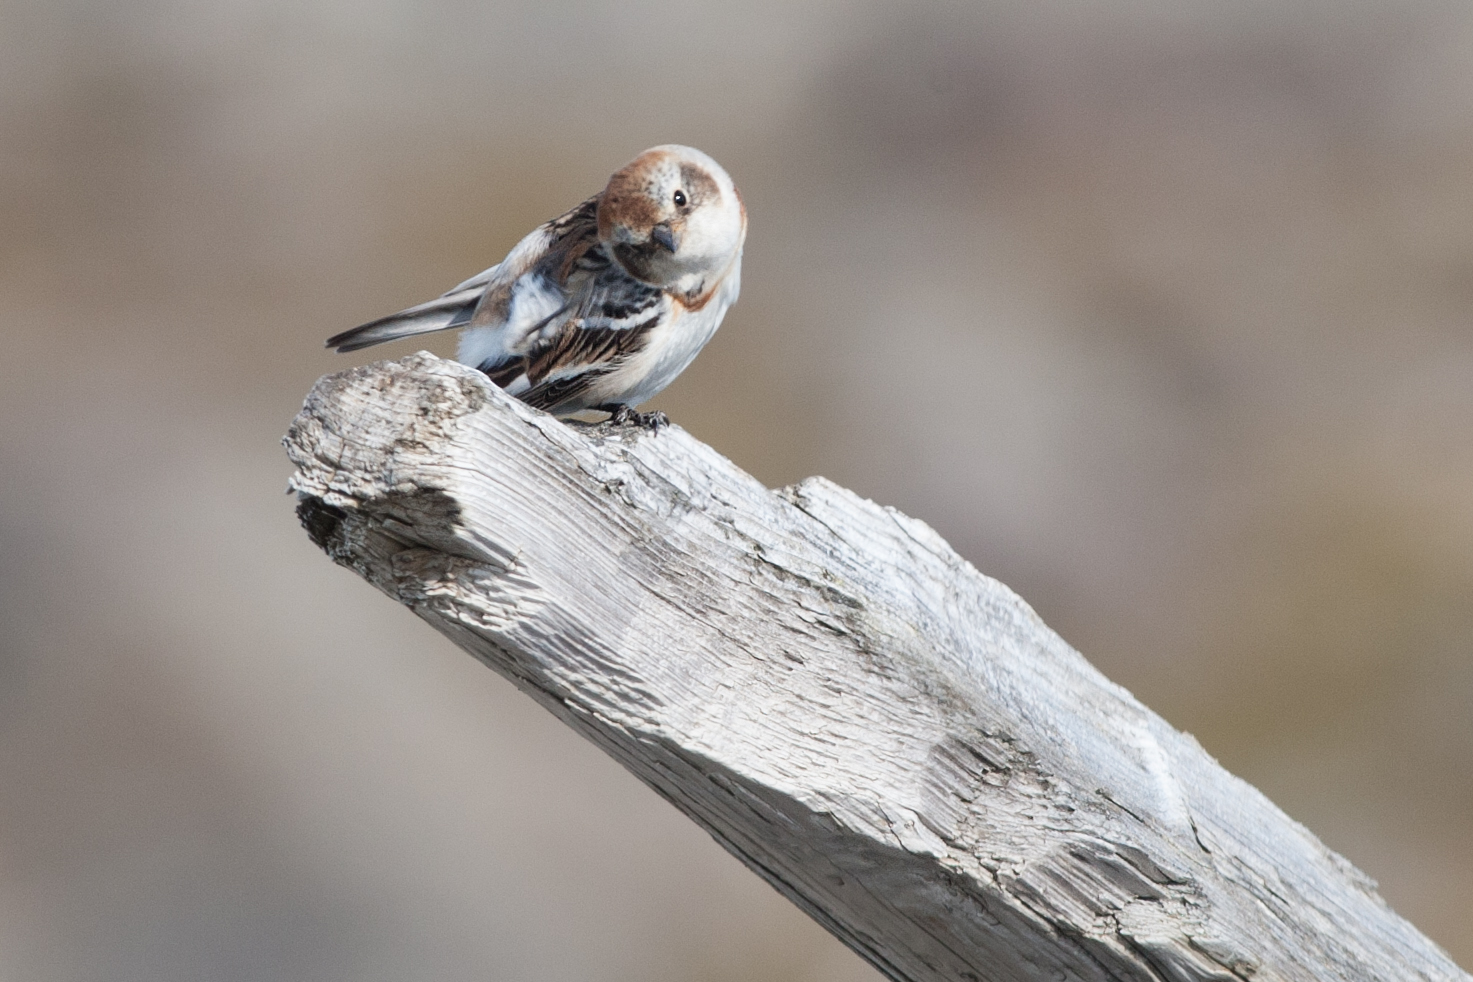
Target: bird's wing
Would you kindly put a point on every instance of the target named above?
(607, 318)
(486, 298)
(452, 309)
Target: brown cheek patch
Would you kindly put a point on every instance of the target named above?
(699, 186)
(626, 201)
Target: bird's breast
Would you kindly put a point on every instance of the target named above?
(670, 348)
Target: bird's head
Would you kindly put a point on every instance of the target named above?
(672, 218)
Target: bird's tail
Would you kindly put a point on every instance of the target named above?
(454, 309)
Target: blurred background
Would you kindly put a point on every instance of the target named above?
(1161, 312)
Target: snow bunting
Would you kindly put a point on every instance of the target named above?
(602, 307)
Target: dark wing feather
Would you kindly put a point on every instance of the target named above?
(608, 319)
(454, 309)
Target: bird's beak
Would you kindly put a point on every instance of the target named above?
(665, 236)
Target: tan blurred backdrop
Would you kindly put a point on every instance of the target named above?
(1161, 312)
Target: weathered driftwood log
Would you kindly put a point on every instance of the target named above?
(891, 739)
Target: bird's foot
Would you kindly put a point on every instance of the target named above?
(624, 416)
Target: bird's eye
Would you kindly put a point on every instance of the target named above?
(679, 199)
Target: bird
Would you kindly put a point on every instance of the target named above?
(602, 307)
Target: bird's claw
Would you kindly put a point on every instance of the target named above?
(624, 416)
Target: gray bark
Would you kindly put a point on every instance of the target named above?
(894, 741)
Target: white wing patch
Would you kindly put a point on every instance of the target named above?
(534, 302)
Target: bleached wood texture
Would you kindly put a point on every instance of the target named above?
(891, 739)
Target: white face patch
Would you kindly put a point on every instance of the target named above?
(691, 201)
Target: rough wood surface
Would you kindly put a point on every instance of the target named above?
(894, 741)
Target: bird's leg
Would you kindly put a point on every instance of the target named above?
(622, 415)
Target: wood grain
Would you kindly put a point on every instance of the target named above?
(894, 741)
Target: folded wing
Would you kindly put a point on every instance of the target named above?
(606, 318)
(453, 309)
